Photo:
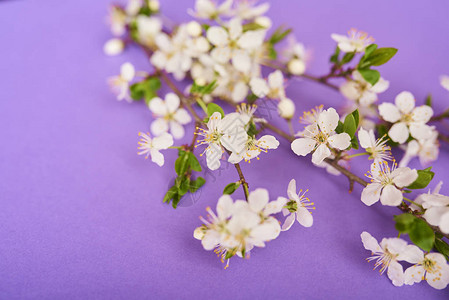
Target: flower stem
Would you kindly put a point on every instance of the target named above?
(413, 202)
(290, 127)
(357, 154)
(242, 180)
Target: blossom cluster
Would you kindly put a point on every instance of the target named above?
(226, 56)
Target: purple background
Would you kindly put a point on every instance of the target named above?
(81, 214)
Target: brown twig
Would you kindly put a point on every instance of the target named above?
(242, 181)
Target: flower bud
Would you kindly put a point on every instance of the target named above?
(264, 22)
(286, 108)
(194, 28)
(296, 66)
(198, 233)
(113, 47)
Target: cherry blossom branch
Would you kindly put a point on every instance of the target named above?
(242, 181)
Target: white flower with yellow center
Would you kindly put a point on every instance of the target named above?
(320, 137)
(253, 148)
(387, 255)
(120, 84)
(228, 132)
(431, 267)
(169, 116)
(297, 207)
(407, 118)
(377, 149)
(273, 88)
(361, 91)
(386, 184)
(150, 147)
(355, 41)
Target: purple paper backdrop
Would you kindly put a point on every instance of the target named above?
(81, 214)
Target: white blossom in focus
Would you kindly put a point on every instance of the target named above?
(253, 147)
(386, 183)
(377, 149)
(297, 207)
(355, 41)
(407, 118)
(431, 267)
(169, 116)
(361, 91)
(120, 84)
(320, 137)
(437, 208)
(387, 255)
(150, 147)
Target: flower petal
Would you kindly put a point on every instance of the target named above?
(371, 193)
(213, 155)
(405, 101)
(413, 275)
(365, 138)
(422, 113)
(177, 130)
(289, 222)
(370, 243)
(340, 141)
(127, 71)
(411, 254)
(399, 133)
(252, 39)
(396, 273)
(259, 87)
(113, 47)
(172, 102)
(291, 191)
(381, 86)
(421, 131)
(217, 36)
(328, 120)
(268, 142)
(391, 196)
(320, 154)
(258, 199)
(182, 116)
(304, 217)
(157, 157)
(159, 126)
(224, 207)
(303, 146)
(162, 141)
(389, 112)
(157, 107)
(403, 177)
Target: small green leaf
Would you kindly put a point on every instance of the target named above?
(334, 57)
(231, 188)
(347, 58)
(379, 57)
(184, 186)
(404, 222)
(272, 54)
(429, 100)
(203, 89)
(212, 107)
(252, 26)
(194, 163)
(349, 126)
(372, 76)
(146, 89)
(279, 35)
(423, 180)
(340, 127)
(369, 50)
(422, 235)
(196, 184)
(170, 194)
(182, 163)
(442, 247)
(252, 129)
(354, 143)
(356, 116)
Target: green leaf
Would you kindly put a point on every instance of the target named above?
(404, 222)
(334, 57)
(252, 26)
(340, 127)
(194, 163)
(369, 50)
(423, 180)
(196, 184)
(354, 143)
(347, 58)
(356, 116)
(422, 235)
(442, 247)
(212, 107)
(378, 57)
(272, 54)
(146, 89)
(231, 188)
(252, 129)
(184, 186)
(182, 163)
(350, 126)
(170, 194)
(372, 76)
(176, 199)
(279, 35)
(429, 100)
(203, 89)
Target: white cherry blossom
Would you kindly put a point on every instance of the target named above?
(426, 149)
(431, 267)
(361, 91)
(120, 84)
(385, 183)
(355, 41)
(150, 147)
(253, 148)
(437, 209)
(377, 149)
(387, 255)
(286, 108)
(169, 116)
(209, 9)
(148, 28)
(321, 137)
(228, 132)
(297, 207)
(407, 118)
(273, 88)
(113, 47)
(248, 10)
(117, 20)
